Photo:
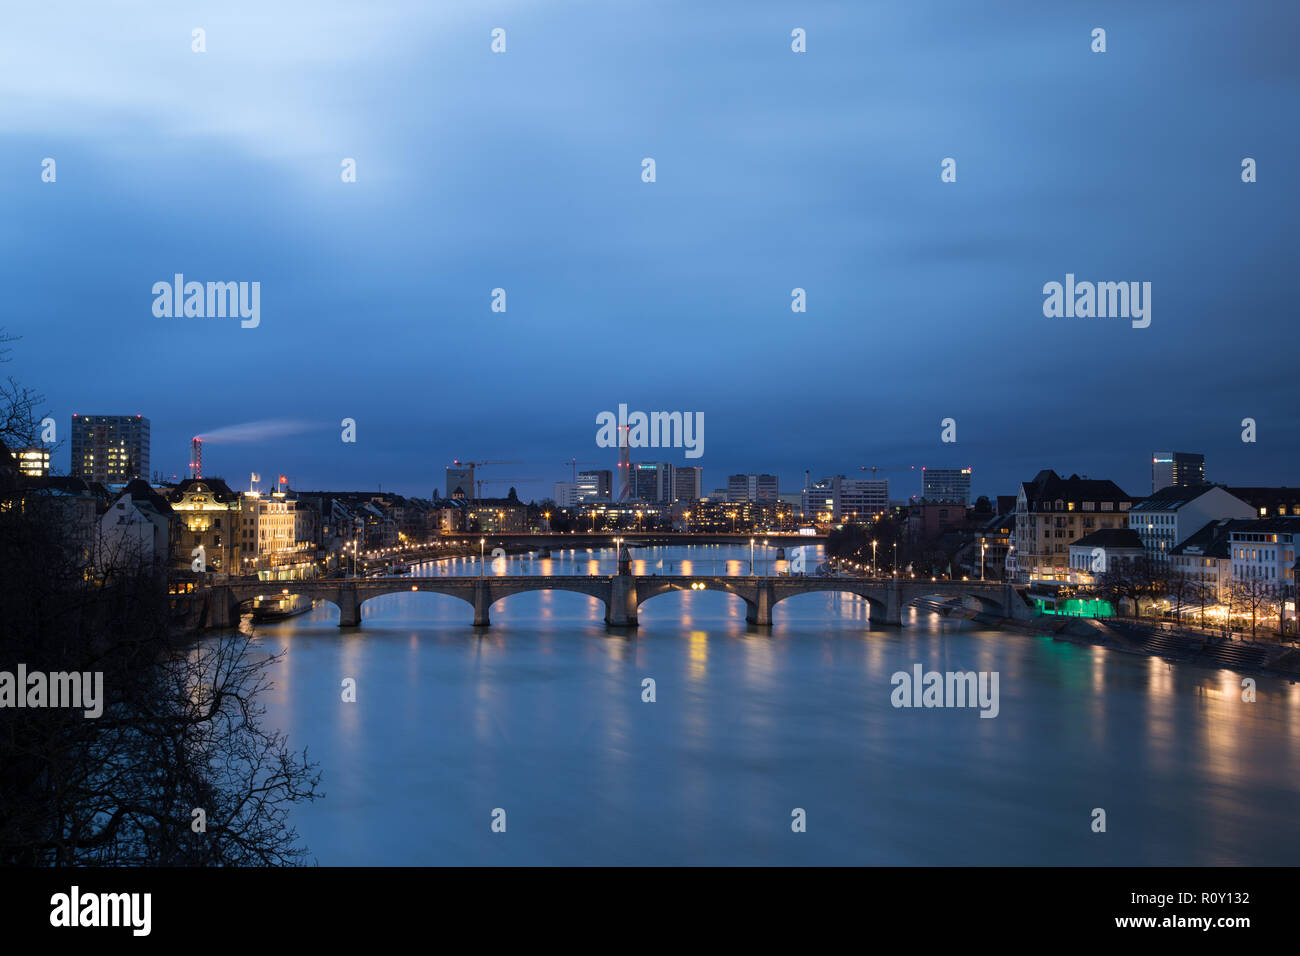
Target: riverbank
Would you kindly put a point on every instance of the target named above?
(1153, 640)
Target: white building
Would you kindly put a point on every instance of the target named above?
(566, 494)
(1171, 516)
(1265, 551)
(133, 534)
(840, 498)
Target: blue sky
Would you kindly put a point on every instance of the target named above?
(775, 170)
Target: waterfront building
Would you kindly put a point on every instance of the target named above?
(1169, 517)
(1204, 558)
(111, 449)
(270, 544)
(210, 513)
(1052, 512)
(1176, 469)
(1103, 551)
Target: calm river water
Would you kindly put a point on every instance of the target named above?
(542, 716)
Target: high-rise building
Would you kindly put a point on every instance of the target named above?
(946, 484)
(652, 481)
(460, 482)
(753, 487)
(566, 493)
(594, 485)
(1176, 469)
(688, 482)
(111, 449)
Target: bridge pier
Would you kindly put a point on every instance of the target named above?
(1014, 605)
(620, 608)
(893, 605)
(482, 601)
(349, 606)
(759, 611)
(223, 609)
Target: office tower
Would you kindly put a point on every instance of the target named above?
(565, 493)
(840, 498)
(946, 484)
(1178, 469)
(688, 482)
(652, 481)
(594, 485)
(752, 487)
(111, 449)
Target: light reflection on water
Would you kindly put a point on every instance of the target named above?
(542, 715)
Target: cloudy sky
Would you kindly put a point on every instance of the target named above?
(775, 170)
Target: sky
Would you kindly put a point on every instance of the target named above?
(775, 170)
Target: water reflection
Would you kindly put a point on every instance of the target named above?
(542, 714)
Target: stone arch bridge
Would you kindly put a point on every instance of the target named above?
(622, 594)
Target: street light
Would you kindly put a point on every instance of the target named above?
(873, 557)
(983, 546)
(482, 558)
(751, 557)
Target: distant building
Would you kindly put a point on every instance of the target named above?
(460, 482)
(688, 483)
(33, 461)
(1174, 514)
(840, 499)
(1176, 469)
(565, 494)
(946, 484)
(594, 486)
(753, 487)
(111, 449)
(269, 538)
(652, 482)
(1052, 512)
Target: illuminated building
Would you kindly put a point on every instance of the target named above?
(33, 461)
(1052, 512)
(1177, 469)
(1169, 517)
(210, 513)
(111, 449)
(946, 484)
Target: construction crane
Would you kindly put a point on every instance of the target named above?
(873, 468)
(497, 481)
(471, 465)
(573, 463)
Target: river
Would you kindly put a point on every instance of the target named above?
(541, 716)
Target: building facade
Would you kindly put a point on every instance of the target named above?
(1176, 469)
(946, 484)
(110, 449)
(1052, 512)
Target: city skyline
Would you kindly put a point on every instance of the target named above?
(819, 172)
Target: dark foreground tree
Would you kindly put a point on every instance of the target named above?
(178, 768)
